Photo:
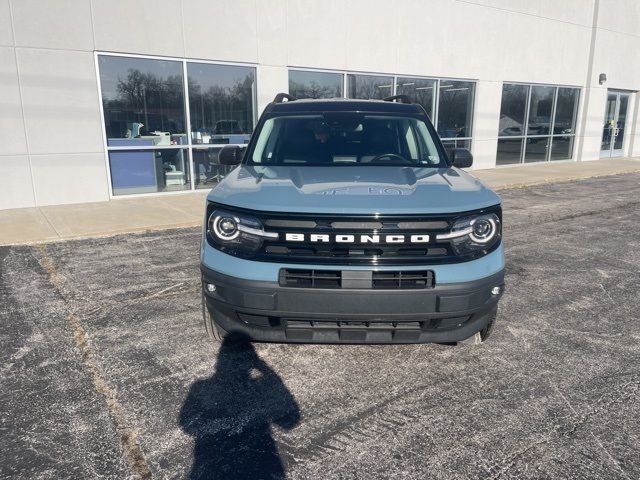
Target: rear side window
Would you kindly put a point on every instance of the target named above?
(345, 139)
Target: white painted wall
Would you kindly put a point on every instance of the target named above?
(51, 147)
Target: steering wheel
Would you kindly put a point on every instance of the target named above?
(377, 158)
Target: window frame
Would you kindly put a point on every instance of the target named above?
(551, 136)
(189, 147)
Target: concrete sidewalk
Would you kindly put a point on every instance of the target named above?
(61, 222)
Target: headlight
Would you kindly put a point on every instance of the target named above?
(473, 234)
(237, 231)
(484, 229)
(225, 227)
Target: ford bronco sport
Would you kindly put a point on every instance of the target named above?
(346, 221)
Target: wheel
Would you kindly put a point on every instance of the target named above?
(213, 330)
(481, 336)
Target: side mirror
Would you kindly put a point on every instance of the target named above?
(230, 155)
(462, 158)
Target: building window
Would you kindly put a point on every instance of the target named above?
(309, 84)
(369, 86)
(221, 99)
(537, 123)
(455, 113)
(448, 103)
(419, 90)
(146, 122)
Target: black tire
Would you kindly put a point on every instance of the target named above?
(481, 336)
(213, 330)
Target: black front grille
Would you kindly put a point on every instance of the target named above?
(311, 278)
(360, 251)
(383, 280)
(402, 280)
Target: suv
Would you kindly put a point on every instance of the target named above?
(347, 222)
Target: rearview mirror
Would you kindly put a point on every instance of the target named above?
(462, 158)
(230, 155)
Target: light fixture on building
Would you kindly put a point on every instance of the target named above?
(602, 78)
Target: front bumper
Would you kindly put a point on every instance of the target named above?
(265, 311)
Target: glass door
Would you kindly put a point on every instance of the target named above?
(621, 118)
(614, 124)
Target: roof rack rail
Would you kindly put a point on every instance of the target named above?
(402, 98)
(282, 96)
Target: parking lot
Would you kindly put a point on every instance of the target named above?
(107, 371)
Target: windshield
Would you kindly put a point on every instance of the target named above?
(345, 139)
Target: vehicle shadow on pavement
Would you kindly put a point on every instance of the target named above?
(230, 415)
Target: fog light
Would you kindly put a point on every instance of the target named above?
(210, 287)
(494, 290)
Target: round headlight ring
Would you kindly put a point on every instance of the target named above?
(225, 227)
(483, 229)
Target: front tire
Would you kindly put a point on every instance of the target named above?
(481, 336)
(213, 330)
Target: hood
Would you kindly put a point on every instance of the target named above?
(353, 190)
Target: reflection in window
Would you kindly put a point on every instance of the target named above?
(512, 110)
(221, 99)
(144, 105)
(455, 108)
(566, 111)
(369, 86)
(509, 151)
(207, 170)
(540, 106)
(305, 84)
(149, 171)
(536, 149)
(142, 100)
(562, 147)
(419, 90)
(550, 121)
(449, 145)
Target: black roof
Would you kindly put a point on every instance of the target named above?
(343, 105)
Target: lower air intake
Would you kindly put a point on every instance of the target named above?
(382, 280)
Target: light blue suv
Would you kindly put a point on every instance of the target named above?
(346, 221)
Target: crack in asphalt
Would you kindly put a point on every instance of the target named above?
(128, 436)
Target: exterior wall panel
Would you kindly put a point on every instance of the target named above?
(13, 140)
(69, 178)
(64, 25)
(17, 189)
(60, 99)
(569, 11)
(150, 28)
(487, 120)
(316, 34)
(272, 32)
(620, 16)
(371, 45)
(6, 29)
(592, 134)
(221, 30)
(271, 80)
(616, 55)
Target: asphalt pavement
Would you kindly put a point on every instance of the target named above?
(107, 371)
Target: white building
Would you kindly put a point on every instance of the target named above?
(94, 103)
